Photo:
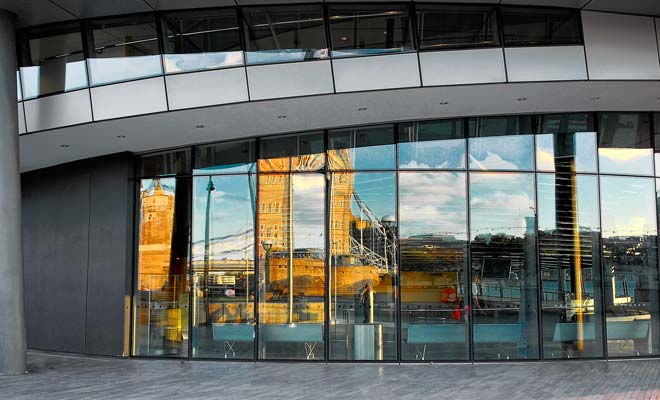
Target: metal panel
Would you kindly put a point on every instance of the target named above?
(58, 110)
(55, 236)
(376, 72)
(91, 9)
(109, 248)
(620, 46)
(206, 88)
(21, 119)
(459, 67)
(35, 12)
(129, 98)
(549, 63)
(179, 4)
(290, 79)
(632, 7)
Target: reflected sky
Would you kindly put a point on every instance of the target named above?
(501, 152)
(626, 161)
(377, 192)
(231, 217)
(308, 211)
(270, 56)
(627, 206)
(501, 203)
(201, 61)
(432, 203)
(117, 69)
(437, 154)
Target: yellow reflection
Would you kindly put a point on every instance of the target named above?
(621, 155)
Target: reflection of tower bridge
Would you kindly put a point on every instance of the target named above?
(385, 260)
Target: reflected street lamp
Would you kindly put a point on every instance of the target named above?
(210, 187)
(267, 245)
(389, 222)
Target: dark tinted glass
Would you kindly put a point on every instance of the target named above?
(123, 48)
(228, 157)
(656, 142)
(447, 26)
(364, 29)
(284, 33)
(624, 144)
(166, 163)
(203, 39)
(500, 126)
(529, 26)
(52, 60)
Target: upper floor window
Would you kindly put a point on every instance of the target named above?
(534, 26)
(450, 26)
(201, 39)
(624, 143)
(51, 60)
(369, 29)
(284, 33)
(124, 48)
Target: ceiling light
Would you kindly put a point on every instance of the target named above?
(121, 136)
(64, 146)
(199, 126)
(595, 98)
(522, 99)
(343, 38)
(362, 109)
(281, 116)
(443, 103)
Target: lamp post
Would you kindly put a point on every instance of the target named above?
(210, 187)
(389, 222)
(267, 245)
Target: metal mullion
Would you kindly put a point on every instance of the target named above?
(257, 266)
(396, 242)
(467, 290)
(328, 252)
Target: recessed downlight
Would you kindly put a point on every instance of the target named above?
(362, 109)
(595, 98)
(443, 103)
(64, 146)
(121, 136)
(199, 126)
(522, 99)
(281, 116)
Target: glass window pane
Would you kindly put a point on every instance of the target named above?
(166, 163)
(284, 33)
(566, 143)
(362, 148)
(433, 245)
(362, 281)
(201, 39)
(302, 152)
(533, 26)
(52, 60)
(161, 290)
(569, 234)
(291, 217)
(223, 267)
(656, 142)
(449, 26)
(624, 145)
(225, 158)
(366, 29)
(432, 145)
(504, 286)
(628, 215)
(123, 49)
(501, 143)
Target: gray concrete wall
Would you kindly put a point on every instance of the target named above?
(77, 236)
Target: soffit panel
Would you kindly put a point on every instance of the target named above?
(35, 12)
(178, 4)
(646, 7)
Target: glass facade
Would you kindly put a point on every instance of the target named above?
(490, 238)
(75, 55)
(51, 60)
(200, 40)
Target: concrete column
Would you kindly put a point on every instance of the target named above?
(12, 318)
